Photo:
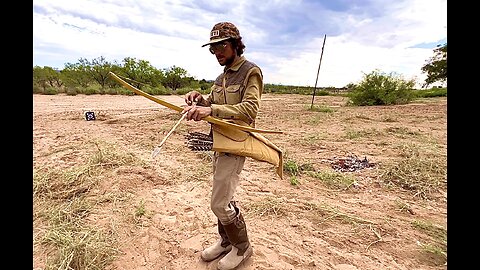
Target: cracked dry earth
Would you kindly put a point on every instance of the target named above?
(302, 226)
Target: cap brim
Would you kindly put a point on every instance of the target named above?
(215, 41)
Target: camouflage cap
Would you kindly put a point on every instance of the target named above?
(223, 31)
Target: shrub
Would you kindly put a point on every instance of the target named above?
(37, 89)
(433, 92)
(380, 89)
(159, 90)
(50, 91)
(71, 91)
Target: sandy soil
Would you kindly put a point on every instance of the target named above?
(366, 230)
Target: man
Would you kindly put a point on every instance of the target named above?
(234, 96)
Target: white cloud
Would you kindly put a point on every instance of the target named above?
(385, 36)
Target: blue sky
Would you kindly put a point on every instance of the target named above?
(283, 37)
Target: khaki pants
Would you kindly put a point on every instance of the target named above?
(226, 178)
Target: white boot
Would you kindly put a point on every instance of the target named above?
(214, 251)
(232, 260)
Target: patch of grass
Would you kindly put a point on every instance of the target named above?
(294, 180)
(314, 120)
(439, 248)
(108, 156)
(306, 167)
(85, 249)
(421, 170)
(57, 184)
(62, 206)
(269, 206)
(335, 180)
(403, 207)
(355, 134)
(439, 254)
(318, 108)
(321, 213)
(433, 92)
(71, 242)
(291, 167)
(402, 131)
(140, 211)
(311, 139)
(435, 231)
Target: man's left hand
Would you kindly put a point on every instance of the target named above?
(197, 113)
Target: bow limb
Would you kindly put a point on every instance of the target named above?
(209, 118)
(140, 92)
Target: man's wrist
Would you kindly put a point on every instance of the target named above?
(214, 110)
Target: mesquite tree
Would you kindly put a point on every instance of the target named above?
(436, 66)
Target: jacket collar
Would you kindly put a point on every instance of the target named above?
(236, 65)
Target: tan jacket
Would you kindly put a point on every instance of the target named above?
(235, 97)
(236, 93)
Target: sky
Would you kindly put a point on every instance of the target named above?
(283, 37)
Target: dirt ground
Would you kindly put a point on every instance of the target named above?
(366, 228)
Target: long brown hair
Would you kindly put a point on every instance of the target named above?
(238, 45)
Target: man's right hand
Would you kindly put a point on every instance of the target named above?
(193, 96)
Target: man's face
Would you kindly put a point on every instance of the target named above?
(224, 52)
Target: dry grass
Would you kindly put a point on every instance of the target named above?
(83, 207)
(420, 169)
(62, 206)
(267, 207)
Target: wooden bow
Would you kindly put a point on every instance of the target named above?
(209, 118)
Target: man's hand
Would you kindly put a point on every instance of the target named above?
(196, 113)
(193, 97)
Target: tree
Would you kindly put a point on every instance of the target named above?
(175, 77)
(99, 69)
(76, 74)
(141, 73)
(46, 76)
(436, 66)
(205, 85)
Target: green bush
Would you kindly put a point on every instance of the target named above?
(433, 92)
(91, 90)
(125, 91)
(291, 167)
(378, 88)
(159, 90)
(71, 91)
(111, 91)
(322, 93)
(50, 91)
(182, 91)
(37, 89)
(205, 86)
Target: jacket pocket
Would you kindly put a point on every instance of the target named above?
(218, 95)
(233, 94)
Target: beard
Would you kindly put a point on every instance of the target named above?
(228, 61)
